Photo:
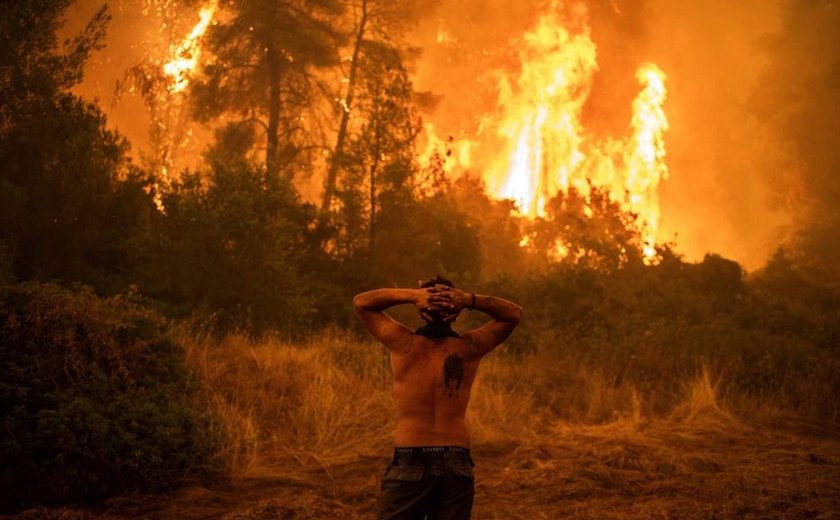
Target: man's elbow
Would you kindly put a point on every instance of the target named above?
(516, 316)
(357, 301)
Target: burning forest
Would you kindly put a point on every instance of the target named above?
(208, 207)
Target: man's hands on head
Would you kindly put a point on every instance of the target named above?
(433, 302)
(442, 302)
(437, 303)
(458, 300)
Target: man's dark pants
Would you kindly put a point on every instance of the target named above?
(434, 482)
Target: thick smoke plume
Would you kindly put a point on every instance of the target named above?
(797, 101)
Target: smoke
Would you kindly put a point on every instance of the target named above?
(720, 198)
(798, 105)
(755, 147)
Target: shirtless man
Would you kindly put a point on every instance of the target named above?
(431, 474)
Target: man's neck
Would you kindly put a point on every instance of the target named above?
(436, 330)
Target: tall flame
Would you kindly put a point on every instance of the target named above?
(541, 116)
(184, 56)
(543, 148)
(644, 155)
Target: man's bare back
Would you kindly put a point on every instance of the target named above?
(432, 383)
(433, 370)
(433, 376)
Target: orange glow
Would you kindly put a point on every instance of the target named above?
(184, 56)
(443, 35)
(457, 154)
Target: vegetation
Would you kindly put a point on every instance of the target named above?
(94, 400)
(328, 400)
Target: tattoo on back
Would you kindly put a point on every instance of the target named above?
(453, 373)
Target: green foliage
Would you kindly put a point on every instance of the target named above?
(657, 325)
(231, 250)
(94, 400)
(426, 237)
(262, 72)
(70, 199)
(792, 302)
(68, 196)
(31, 63)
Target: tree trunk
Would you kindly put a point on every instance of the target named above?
(372, 227)
(373, 170)
(271, 145)
(332, 174)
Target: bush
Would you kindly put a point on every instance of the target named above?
(94, 399)
(230, 252)
(653, 327)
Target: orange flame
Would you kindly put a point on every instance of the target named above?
(645, 153)
(544, 147)
(541, 117)
(184, 56)
(458, 154)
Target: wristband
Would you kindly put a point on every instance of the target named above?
(472, 305)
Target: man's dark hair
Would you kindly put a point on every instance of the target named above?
(438, 279)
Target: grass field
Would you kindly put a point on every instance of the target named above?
(309, 429)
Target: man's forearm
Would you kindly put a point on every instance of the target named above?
(381, 299)
(498, 308)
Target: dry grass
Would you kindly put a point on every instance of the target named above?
(310, 432)
(330, 400)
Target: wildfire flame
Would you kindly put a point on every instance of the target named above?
(540, 145)
(541, 117)
(184, 56)
(458, 152)
(645, 154)
(544, 147)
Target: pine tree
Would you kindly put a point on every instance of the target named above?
(262, 73)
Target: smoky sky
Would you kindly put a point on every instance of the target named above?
(753, 146)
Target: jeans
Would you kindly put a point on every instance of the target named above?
(435, 483)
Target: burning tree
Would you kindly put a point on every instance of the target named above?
(533, 146)
(261, 73)
(161, 79)
(374, 156)
(373, 25)
(271, 71)
(371, 171)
